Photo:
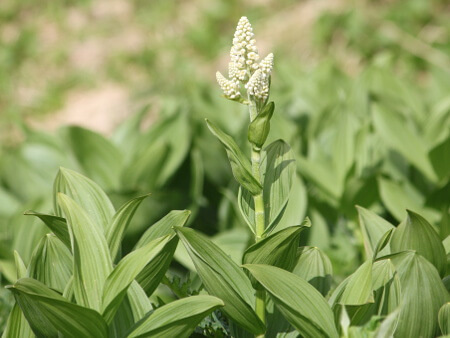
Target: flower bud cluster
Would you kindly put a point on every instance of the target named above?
(244, 67)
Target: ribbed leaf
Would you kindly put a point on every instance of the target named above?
(240, 165)
(51, 263)
(279, 249)
(21, 269)
(17, 325)
(125, 272)
(444, 318)
(223, 278)
(50, 314)
(423, 296)
(384, 241)
(300, 303)
(373, 228)
(92, 261)
(176, 319)
(278, 168)
(259, 128)
(86, 193)
(314, 267)
(100, 159)
(355, 289)
(119, 224)
(415, 233)
(56, 224)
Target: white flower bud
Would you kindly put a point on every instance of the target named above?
(230, 87)
(258, 85)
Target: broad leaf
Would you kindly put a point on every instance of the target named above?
(278, 168)
(259, 128)
(91, 254)
(314, 267)
(415, 233)
(240, 165)
(119, 224)
(440, 159)
(373, 228)
(176, 319)
(50, 314)
(223, 278)
(86, 193)
(300, 303)
(444, 318)
(17, 325)
(125, 272)
(56, 224)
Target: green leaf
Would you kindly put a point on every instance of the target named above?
(223, 278)
(119, 224)
(17, 325)
(279, 249)
(398, 136)
(86, 193)
(164, 227)
(50, 314)
(384, 241)
(51, 263)
(100, 159)
(240, 165)
(176, 319)
(314, 267)
(259, 128)
(444, 318)
(415, 233)
(440, 159)
(92, 260)
(20, 266)
(278, 168)
(125, 272)
(355, 289)
(424, 295)
(373, 228)
(57, 225)
(300, 303)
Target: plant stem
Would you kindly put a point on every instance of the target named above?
(260, 305)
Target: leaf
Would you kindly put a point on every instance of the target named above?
(314, 267)
(17, 325)
(384, 241)
(100, 159)
(279, 249)
(424, 296)
(278, 168)
(300, 303)
(415, 233)
(259, 128)
(373, 228)
(176, 319)
(49, 314)
(240, 165)
(392, 129)
(222, 278)
(119, 224)
(51, 263)
(444, 318)
(20, 266)
(86, 193)
(92, 261)
(56, 224)
(440, 159)
(125, 272)
(355, 289)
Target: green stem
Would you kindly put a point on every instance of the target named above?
(260, 305)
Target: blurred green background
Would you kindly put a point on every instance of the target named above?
(362, 93)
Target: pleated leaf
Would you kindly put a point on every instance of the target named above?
(423, 296)
(125, 272)
(299, 302)
(17, 325)
(57, 225)
(51, 263)
(86, 193)
(50, 314)
(176, 319)
(314, 267)
(92, 260)
(223, 278)
(415, 233)
(278, 168)
(373, 228)
(119, 224)
(240, 165)
(444, 318)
